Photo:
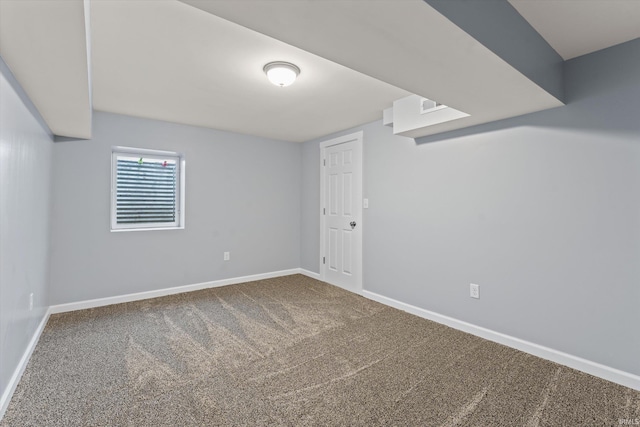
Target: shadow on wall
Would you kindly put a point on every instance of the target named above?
(588, 114)
(602, 94)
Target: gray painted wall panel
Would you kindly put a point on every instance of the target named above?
(26, 148)
(543, 211)
(310, 203)
(242, 196)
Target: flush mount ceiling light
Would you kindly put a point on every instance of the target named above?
(281, 73)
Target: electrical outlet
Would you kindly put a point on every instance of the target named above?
(227, 257)
(474, 290)
(31, 301)
(365, 203)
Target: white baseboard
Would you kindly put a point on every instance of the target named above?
(596, 369)
(611, 374)
(24, 360)
(309, 274)
(100, 302)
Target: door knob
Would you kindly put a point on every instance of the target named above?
(352, 224)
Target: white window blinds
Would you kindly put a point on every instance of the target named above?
(146, 190)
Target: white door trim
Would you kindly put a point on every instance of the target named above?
(357, 138)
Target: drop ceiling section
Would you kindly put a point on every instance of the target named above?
(44, 43)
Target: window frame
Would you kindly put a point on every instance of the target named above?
(179, 222)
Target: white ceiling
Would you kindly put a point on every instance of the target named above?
(406, 43)
(202, 65)
(170, 61)
(577, 27)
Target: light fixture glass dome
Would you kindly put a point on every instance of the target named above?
(281, 73)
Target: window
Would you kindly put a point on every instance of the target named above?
(147, 189)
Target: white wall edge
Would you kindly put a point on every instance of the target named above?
(311, 274)
(22, 365)
(100, 302)
(617, 376)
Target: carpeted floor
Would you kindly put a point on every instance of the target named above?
(292, 351)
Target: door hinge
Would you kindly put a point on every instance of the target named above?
(324, 211)
(324, 162)
(323, 260)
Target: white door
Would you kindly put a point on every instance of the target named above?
(341, 215)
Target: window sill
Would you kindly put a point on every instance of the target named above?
(124, 230)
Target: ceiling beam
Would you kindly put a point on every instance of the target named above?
(46, 46)
(499, 27)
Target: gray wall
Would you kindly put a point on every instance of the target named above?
(242, 196)
(25, 169)
(310, 205)
(543, 211)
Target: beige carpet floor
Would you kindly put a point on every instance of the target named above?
(292, 351)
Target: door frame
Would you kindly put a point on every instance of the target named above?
(356, 137)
